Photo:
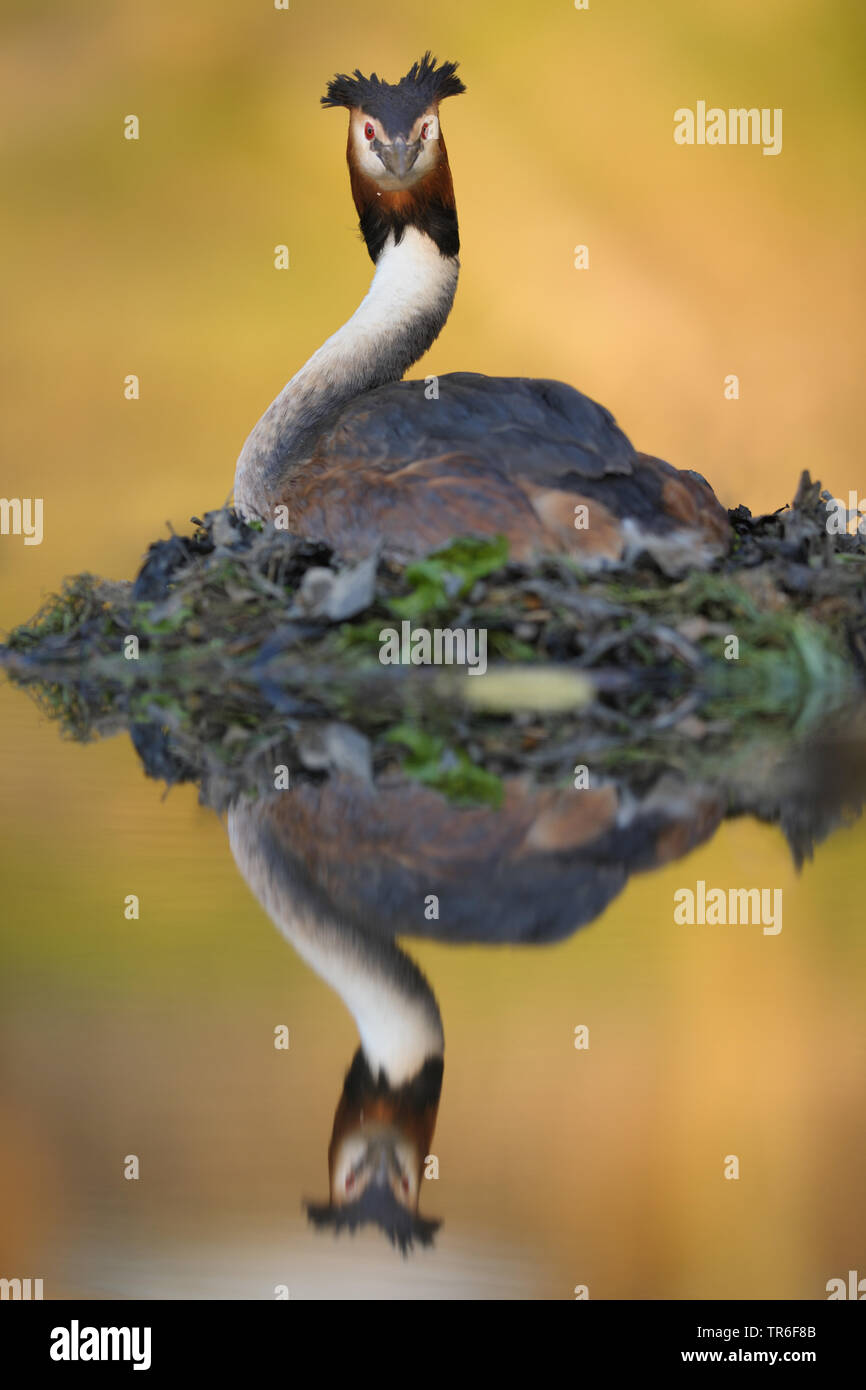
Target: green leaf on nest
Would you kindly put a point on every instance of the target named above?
(449, 573)
(450, 771)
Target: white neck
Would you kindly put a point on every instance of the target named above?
(402, 313)
(396, 1013)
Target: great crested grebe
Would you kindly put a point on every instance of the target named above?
(363, 460)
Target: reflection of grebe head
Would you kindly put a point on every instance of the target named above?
(380, 1140)
(375, 1155)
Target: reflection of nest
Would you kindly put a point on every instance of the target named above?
(377, 1206)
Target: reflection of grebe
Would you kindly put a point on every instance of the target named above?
(343, 867)
(387, 1113)
(361, 459)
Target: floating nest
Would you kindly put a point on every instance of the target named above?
(236, 642)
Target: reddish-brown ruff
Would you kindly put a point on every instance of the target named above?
(402, 204)
(397, 1109)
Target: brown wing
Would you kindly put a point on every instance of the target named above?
(542, 865)
(534, 460)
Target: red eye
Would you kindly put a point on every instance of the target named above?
(425, 131)
(369, 132)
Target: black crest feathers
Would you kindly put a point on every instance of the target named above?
(397, 105)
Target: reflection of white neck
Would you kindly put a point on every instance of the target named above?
(393, 1006)
(398, 1022)
(400, 316)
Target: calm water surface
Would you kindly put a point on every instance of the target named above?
(558, 1166)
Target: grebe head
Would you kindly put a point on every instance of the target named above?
(394, 135)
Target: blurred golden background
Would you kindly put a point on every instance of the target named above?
(156, 258)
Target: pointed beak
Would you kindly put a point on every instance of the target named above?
(380, 1172)
(399, 157)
